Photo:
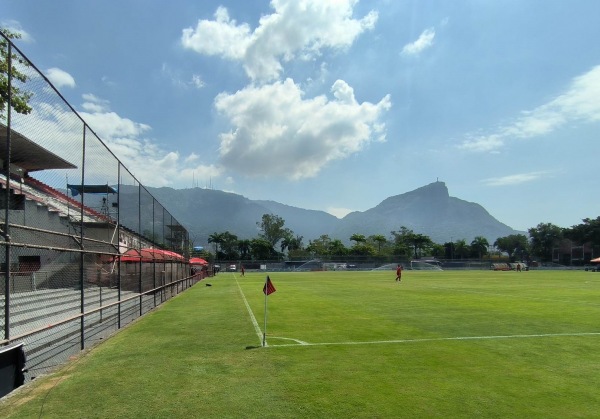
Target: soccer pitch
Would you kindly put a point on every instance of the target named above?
(346, 344)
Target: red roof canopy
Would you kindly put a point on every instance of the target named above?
(150, 255)
(198, 261)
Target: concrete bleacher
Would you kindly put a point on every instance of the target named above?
(63, 199)
(53, 315)
(49, 306)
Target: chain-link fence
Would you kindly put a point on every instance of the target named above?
(85, 248)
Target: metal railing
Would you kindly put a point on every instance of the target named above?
(69, 209)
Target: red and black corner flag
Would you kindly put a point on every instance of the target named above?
(269, 288)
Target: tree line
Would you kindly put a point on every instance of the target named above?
(277, 242)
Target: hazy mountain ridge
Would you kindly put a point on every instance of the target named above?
(427, 210)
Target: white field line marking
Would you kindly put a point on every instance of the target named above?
(379, 342)
(301, 342)
(523, 297)
(254, 322)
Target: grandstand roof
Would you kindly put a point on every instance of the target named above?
(103, 189)
(29, 155)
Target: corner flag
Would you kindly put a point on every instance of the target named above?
(269, 288)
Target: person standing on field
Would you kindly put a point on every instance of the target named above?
(399, 273)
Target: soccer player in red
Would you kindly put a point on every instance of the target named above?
(399, 273)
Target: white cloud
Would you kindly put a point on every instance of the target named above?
(94, 104)
(15, 27)
(180, 81)
(295, 30)
(276, 132)
(514, 179)
(221, 36)
(579, 103)
(197, 81)
(60, 78)
(109, 125)
(483, 143)
(146, 159)
(424, 41)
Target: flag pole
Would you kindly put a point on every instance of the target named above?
(267, 289)
(264, 342)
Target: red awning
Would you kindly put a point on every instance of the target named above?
(198, 261)
(150, 255)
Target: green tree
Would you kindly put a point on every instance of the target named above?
(380, 240)
(261, 249)
(320, 246)
(438, 251)
(513, 245)
(244, 248)
(544, 237)
(296, 244)
(419, 243)
(229, 245)
(337, 248)
(586, 232)
(285, 242)
(296, 248)
(406, 238)
(358, 238)
(291, 243)
(479, 246)
(402, 245)
(272, 228)
(363, 249)
(461, 249)
(10, 63)
(217, 239)
(449, 249)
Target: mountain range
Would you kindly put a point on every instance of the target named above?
(428, 210)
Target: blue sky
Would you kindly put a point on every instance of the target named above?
(337, 105)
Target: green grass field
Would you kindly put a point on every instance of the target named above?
(345, 345)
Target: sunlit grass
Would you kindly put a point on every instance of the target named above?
(346, 344)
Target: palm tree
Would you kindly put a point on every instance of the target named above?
(358, 238)
(461, 248)
(295, 243)
(244, 248)
(337, 248)
(419, 242)
(379, 239)
(480, 245)
(217, 239)
(229, 245)
(285, 242)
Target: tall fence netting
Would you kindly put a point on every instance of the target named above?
(85, 248)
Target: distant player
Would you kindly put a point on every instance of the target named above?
(399, 273)
(242, 270)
